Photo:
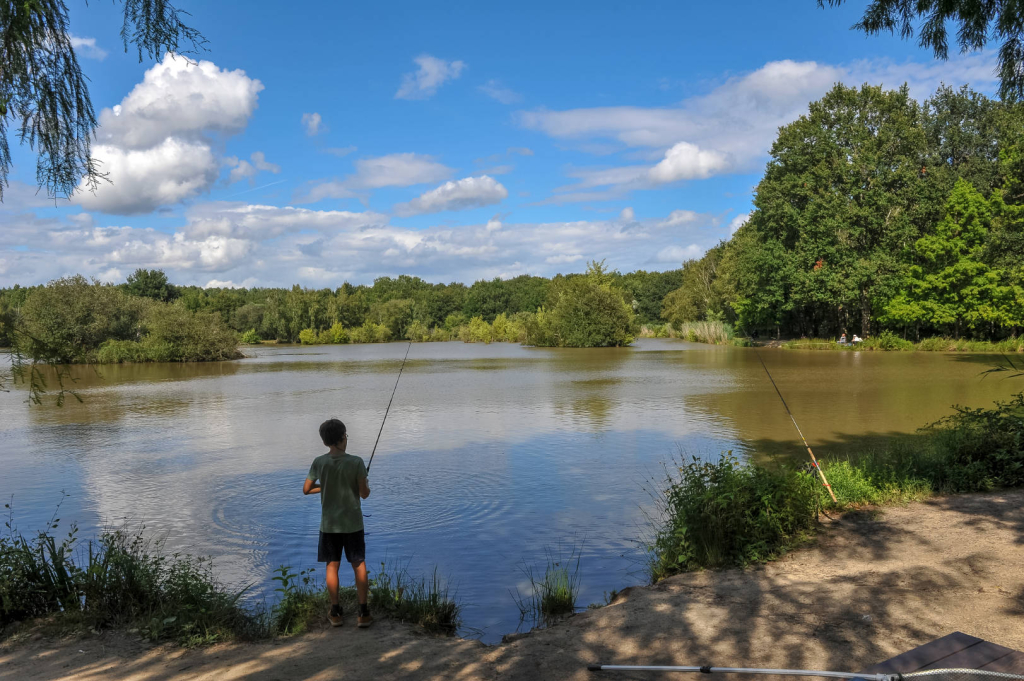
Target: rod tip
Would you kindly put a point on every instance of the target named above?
(593, 667)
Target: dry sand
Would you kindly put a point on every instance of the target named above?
(866, 590)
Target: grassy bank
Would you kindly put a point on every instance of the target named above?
(887, 341)
(723, 513)
(122, 580)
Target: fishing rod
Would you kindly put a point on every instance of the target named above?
(942, 674)
(393, 391)
(792, 418)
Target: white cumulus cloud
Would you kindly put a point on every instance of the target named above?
(469, 192)
(157, 145)
(431, 74)
(685, 161)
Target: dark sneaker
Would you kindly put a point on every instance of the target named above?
(364, 621)
(335, 617)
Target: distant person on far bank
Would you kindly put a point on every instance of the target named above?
(842, 339)
(340, 480)
(856, 339)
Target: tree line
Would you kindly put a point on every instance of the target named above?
(877, 213)
(73, 320)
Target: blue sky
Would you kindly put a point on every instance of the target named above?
(315, 143)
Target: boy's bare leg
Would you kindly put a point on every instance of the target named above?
(332, 581)
(362, 583)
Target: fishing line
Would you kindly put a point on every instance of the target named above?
(792, 418)
(393, 391)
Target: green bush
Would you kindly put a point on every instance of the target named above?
(981, 448)
(418, 332)
(724, 513)
(337, 333)
(479, 331)
(308, 337)
(886, 340)
(250, 337)
(370, 333)
(174, 334)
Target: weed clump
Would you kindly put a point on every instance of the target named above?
(553, 593)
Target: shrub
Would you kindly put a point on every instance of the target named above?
(308, 337)
(250, 337)
(174, 334)
(418, 331)
(723, 513)
(370, 333)
(338, 334)
(509, 329)
(479, 331)
(981, 448)
(886, 340)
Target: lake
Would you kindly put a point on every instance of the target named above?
(493, 457)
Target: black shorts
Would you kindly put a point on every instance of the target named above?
(333, 543)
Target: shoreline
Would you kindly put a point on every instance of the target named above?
(871, 585)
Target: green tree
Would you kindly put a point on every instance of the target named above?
(588, 313)
(977, 23)
(65, 321)
(44, 93)
(698, 296)
(949, 288)
(834, 212)
(152, 284)
(963, 130)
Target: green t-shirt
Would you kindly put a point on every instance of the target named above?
(339, 478)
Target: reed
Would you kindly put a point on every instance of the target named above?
(554, 592)
(712, 332)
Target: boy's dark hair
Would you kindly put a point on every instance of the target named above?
(332, 431)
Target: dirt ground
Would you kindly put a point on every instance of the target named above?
(868, 589)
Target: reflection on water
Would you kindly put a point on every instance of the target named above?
(491, 455)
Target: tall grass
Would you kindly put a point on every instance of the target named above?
(713, 332)
(119, 580)
(394, 594)
(124, 580)
(554, 592)
(724, 513)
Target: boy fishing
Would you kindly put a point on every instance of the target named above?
(340, 480)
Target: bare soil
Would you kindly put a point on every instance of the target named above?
(870, 587)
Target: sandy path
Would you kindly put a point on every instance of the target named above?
(867, 590)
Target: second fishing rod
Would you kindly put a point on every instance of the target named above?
(814, 459)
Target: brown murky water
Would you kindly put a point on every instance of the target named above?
(493, 456)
